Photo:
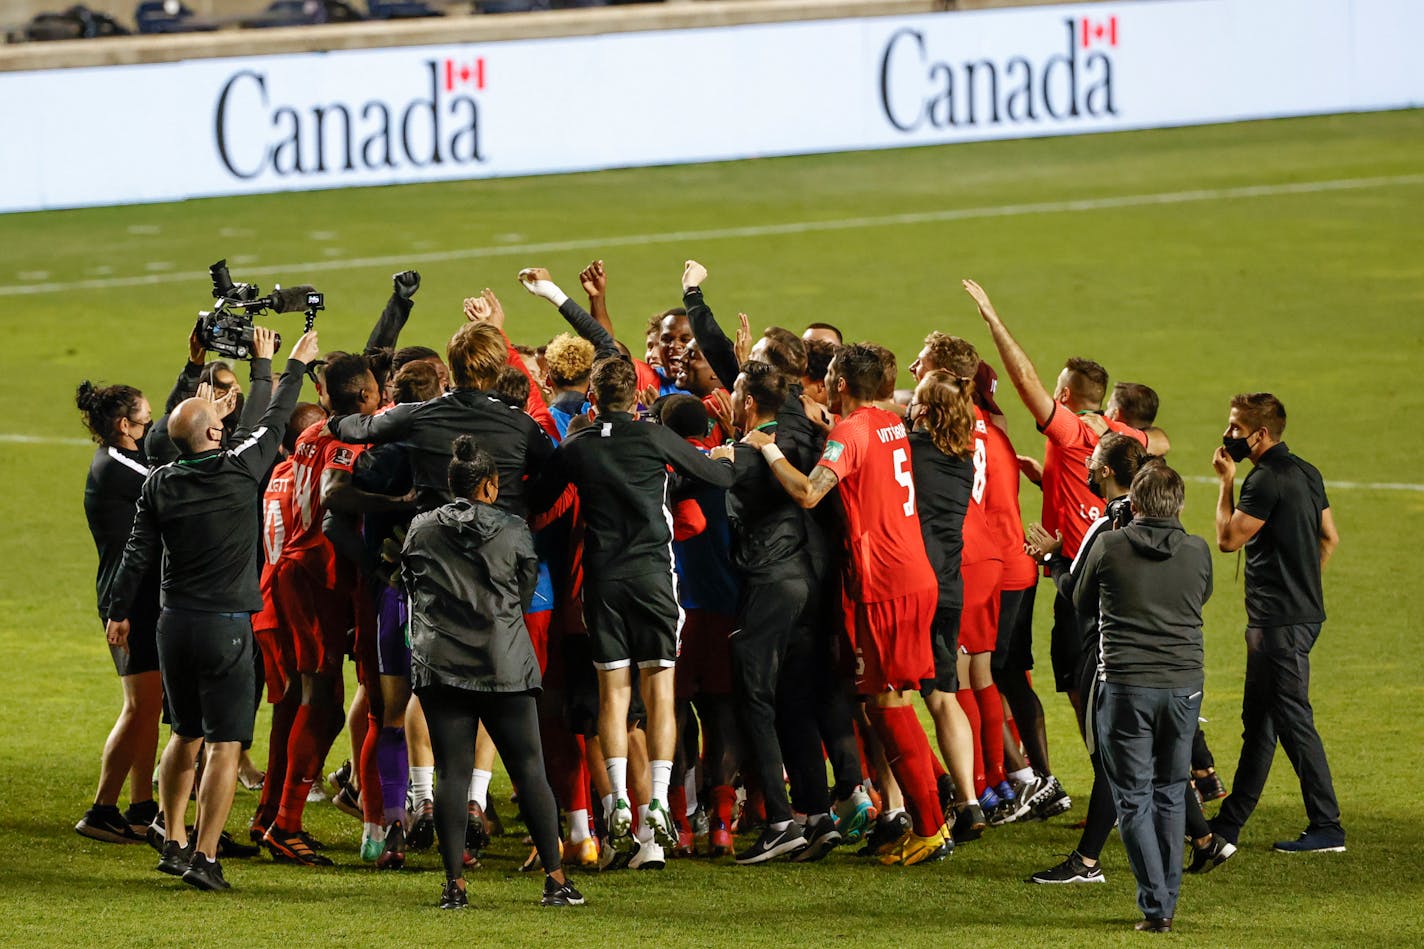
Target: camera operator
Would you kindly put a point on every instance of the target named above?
(234, 411)
(198, 512)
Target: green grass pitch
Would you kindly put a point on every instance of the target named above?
(1316, 293)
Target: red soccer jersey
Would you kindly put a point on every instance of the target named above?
(1068, 505)
(1001, 504)
(979, 541)
(306, 544)
(276, 515)
(868, 451)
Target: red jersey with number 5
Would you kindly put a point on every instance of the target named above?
(306, 544)
(870, 454)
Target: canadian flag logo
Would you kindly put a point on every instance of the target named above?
(473, 73)
(1100, 31)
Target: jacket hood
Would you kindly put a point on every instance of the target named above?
(1155, 538)
(481, 521)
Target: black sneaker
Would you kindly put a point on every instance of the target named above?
(104, 822)
(1209, 786)
(944, 786)
(821, 840)
(156, 834)
(969, 823)
(773, 843)
(1313, 841)
(140, 814)
(560, 894)
(1050, 800)
(888, 830)
(175, 859)
(453, 896)
(1072, 870)
(1214, 854)
(229, 846)
(347, 801)
(205, 874)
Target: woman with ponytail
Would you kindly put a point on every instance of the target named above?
(118, 417)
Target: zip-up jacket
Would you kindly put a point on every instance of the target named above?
(111, 493)
(768, 528)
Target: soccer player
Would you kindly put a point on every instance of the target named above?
(118, 417)
(198, 514)
(825, 332)
(890, 584)
(1283, 520)
(620, 467)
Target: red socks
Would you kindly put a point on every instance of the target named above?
(282, 714)
(303, 762)
(966, 700)
(369, 769)
(907, 751)
(991, 713)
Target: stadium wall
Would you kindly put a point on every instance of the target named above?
(257, 124)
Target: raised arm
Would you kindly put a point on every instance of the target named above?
(259, 388)
(397, 311)
(538, 282)
(1016, 362)
(1234, 527)
(719, 350)
(256, 453)
(594, 279)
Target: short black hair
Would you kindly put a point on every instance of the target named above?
(819, 353)
(1088, 380)
(511, 387)
(344, 377)
(840, 337)
(614, 384)
(1136, 403)
(859, 364)
(470, 467)
(685, 415)
(765, 386)
(408, 354)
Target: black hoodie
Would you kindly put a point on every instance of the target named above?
(1149, 581)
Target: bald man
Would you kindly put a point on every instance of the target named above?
(197, 514)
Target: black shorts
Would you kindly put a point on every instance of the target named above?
(1066, 646)
(208, 674)
(1013, 651)
(944, 640)
(633, 621)
(581, 691)
(142, 654)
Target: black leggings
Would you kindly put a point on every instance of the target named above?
(512, 720)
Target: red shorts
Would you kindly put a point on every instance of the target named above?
(979, 620)
(319, 619)
(538, 625)
(892, 642)
(704, 666)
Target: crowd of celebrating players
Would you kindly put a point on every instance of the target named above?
(673, 585)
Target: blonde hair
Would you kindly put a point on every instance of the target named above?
(947, 412)
(476, 354)
(569, 359)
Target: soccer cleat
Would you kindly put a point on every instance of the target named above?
(560, 894)
(854, 815)
(1007, 810)
(229, 846)
(969, 823)
(911, 848)
(1071, 870)
(1024, 792)
(889, 828)
(1209, 786)
(422, 825)
(1313, 841)
(205, 874)
(620, 820)
(140, 814)
(175, 859)
(647, 855)
(944, 787)
(104, 822)
(293, 847)
(531, 862)
(774, 843)
(347, 801)
(583, 854)
(477, 836)
(453, 896)
(822, 839)
(1214, 854)
(393, 855)
(1049, 800)
(340, 779)
(719, 842)
(615, 854)
(686, 844)
(701, 822)
(371, 848)
(661, 824)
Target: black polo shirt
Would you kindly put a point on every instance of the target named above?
(1283, 559)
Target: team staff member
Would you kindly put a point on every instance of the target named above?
(1283, 519)
(198, 513)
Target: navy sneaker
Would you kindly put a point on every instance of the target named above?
(1314, 841)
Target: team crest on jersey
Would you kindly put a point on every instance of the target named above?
(833, 452)
(343, 456)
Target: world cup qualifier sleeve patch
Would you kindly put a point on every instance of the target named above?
(833, 452)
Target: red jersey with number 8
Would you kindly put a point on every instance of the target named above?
(870, 454)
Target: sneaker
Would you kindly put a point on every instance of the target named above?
(615, 854)
(1050, 800)
(822, 839)
(854, 815)
(293, 847)
(1214, 854)
(560, 894)
(583, 854)
(911, 848)
(156, 835)
(140, 814)
(175, 859)
(477, 836)
(316, 794)
(647, 855)
(230, 846)
(889, 828)
(470, 861)
(1072, 870)
(422, 825)
(104, 822)
(347, 801)
(773, 843)
(1024, 792)
(1154, 924)
(660, 822)
(620, 820)
(453, 896)
(969, 823)
(1209, 786)
(393, 855)
(531, 862)
(340, 779)
(1313, 841)
(1008, 810)
(205, 874)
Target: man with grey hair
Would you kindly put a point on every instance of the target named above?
(1148, 583)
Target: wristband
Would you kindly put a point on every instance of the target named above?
(772, 454)
(548, 290)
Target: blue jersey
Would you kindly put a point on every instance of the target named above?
(706, 578)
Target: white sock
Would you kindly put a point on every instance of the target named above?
(813, 820)
(780, 825)
(618, 777)
(1021, 776)
(895, 812)
(645, 832)
(608, 800)
(422, 783)
(479, 787)
(373, 831)
(578, 826)
(662, 777)
(689, 787)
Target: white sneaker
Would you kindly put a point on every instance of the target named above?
(649, 856)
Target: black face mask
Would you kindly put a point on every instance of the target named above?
(1096, 488)
(1238, 448)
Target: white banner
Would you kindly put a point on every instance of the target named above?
(127, 134)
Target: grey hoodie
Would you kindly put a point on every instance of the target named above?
(1148, 582)
(469, 570)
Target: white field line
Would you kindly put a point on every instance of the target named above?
(296, 270)
(17, 439)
